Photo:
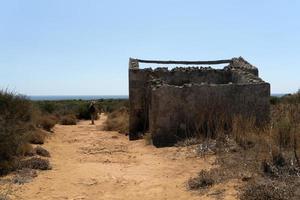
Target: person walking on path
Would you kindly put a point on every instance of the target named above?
(93, 111)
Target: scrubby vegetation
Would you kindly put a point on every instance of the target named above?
(24, 122)
(16, 122)
(267, 190)
(35, 163)
(79, 108)
(203, 180)
(37, 136)
(265, 159)
(118, 120)
(41, 151)
(67, 112)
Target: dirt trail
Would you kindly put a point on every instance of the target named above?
(90, 164)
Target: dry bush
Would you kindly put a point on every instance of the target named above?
(249, 152)
(16, 121)
(118, 121)
(37, 136)
(25, 150)
(68, 120)
(35, 163)
(47, 122)
(285, 132)
(41, 151)
(203, 180)
(267, 190)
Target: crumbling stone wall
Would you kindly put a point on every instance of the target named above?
(172, 104)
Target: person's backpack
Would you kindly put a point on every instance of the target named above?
(92, 109)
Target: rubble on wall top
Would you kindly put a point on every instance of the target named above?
(249, 76)
(157, 85)
(241, 63)
(182, 69)
(238, 63)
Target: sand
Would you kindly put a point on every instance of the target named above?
(91, 164)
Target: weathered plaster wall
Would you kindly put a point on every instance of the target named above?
(175, 112)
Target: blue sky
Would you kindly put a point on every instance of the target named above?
(81, 47)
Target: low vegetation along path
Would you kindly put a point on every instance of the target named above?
(92, 164)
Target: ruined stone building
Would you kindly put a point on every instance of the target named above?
(173, 104)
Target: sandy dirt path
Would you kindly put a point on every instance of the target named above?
(90, 164)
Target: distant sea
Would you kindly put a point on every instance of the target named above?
(76, 97)
(278, 94)
(89, 97)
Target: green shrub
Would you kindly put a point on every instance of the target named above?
(80, 108)
(83, 112)
(48, 107)
(275, 100)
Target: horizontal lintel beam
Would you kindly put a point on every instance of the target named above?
(212, 62)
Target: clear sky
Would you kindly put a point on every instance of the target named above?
(81, 47)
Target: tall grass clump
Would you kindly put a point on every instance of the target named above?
(118, 120)
(16, 122)
(285, 130)
(265, 158)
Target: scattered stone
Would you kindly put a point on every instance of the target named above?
(24, 176)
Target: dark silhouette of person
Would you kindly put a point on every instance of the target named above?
(93, 111)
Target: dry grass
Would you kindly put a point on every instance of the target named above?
(148, 138)
(118, 121)
(265, 158)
